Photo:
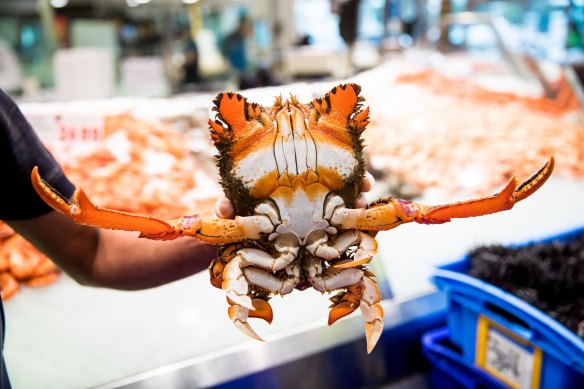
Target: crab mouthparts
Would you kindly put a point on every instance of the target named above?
(303, 285)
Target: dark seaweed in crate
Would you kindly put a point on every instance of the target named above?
(549, 276)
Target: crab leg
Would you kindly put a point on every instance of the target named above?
(237, 290)
(393, 212)
(232, 278)
(238, 313)
(211, 230)
(270, 282)
(367, 247)
(237, 268)
(361, 292)
(336, 281)
(235, 283)
(372, 312)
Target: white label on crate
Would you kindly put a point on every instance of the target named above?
(509, 358)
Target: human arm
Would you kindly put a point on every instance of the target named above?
(113, 259)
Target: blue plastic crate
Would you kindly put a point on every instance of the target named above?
(448, 368)
(506, 337)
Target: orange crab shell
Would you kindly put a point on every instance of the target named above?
(329, 150)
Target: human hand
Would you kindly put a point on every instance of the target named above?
(224, 208)
(367, 183)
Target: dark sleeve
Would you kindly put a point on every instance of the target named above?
(20, 151)
(4, 380)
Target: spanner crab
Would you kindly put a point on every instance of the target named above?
(292, 172)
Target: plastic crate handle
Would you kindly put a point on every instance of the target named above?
(509, 321)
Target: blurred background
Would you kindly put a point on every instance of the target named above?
(165, 47)
(463, 95)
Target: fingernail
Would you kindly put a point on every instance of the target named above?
(220, 207)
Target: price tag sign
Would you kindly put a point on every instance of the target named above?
(69, 129)
(80, 128)
(506, 356)
(69, 134)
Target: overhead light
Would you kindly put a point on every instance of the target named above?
(59, 3)
(132, 3)
(190, 1)
(142, 1)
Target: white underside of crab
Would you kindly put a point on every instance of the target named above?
(300, 215)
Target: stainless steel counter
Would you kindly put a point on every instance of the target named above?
(306, 350)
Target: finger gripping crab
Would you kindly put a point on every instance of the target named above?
(292, 172)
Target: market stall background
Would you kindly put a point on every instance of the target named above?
(443, 127)
(186, 318)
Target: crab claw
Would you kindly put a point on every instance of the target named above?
(392, 212)
(341, 310)
(263, 310)
(238, 316)
(502, 201)
(83, 211)
(365, 295)
(210, 230)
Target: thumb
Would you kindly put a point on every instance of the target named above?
(224, 208)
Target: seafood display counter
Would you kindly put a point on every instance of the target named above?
(178, 335)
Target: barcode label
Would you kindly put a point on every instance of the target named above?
(509, 359)
(507, 356)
